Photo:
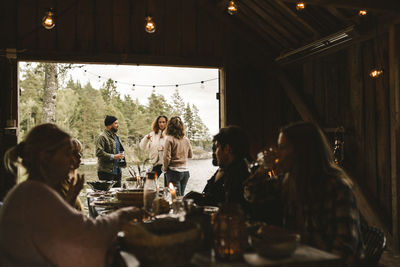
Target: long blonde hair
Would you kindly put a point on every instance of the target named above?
(44, 137)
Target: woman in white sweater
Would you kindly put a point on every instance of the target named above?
(37, 226)
(154, 142)
(176, 152)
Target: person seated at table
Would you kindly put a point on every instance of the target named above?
(73, 184)
(317, 195)
(37, 226)
(226, 185)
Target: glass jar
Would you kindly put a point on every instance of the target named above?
(149, 191)
(230, 233)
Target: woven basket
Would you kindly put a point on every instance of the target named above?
(163, 242)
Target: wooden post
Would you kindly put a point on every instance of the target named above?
(222, 98)
(295, 98)
(394, 79)
(8, 113)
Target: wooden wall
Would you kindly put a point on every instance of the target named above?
(338, 90)
(189, 33)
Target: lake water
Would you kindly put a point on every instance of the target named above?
(200, 171)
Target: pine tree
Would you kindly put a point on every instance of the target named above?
(178, 105)
(188, 118)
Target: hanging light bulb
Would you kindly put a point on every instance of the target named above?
(232, 8)
(48, 20)
(375, 73)
(362, 13)
(202, 84)
(150, 26)
(300, 6)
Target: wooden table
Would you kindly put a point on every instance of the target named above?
(302, 257)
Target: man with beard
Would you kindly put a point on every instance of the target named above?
(109, 152)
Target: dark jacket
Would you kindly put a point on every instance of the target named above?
(105, 147)
(228, 188)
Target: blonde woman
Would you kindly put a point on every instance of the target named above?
(71, 186)
(37, 226)
(154, 142)
(177, 150)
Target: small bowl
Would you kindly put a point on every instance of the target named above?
(101, 185)
(274, 243)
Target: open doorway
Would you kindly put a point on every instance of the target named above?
(78, 96)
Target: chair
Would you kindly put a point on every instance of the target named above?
(375, 242)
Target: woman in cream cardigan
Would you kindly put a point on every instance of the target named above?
(154, 142)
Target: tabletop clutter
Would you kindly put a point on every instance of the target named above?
(173, 228)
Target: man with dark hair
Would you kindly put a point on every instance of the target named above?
(109, 152)
(226, 185)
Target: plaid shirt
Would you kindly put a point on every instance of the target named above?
(332, 224)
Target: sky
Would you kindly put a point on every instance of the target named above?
(204, 97)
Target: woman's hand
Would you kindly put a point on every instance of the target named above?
(75, 187)
(128, 214)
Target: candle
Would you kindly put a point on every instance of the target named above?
(138, 181)
(172, 191)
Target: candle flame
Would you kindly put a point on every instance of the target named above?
(171, 186)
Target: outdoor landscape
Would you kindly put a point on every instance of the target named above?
(49, 94)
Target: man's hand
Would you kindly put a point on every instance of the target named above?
(119, 156)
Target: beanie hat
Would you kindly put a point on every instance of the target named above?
(109, 120)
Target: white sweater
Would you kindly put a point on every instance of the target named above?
(156, 146)
(38, 228)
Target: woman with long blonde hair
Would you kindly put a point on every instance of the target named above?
(37, 226)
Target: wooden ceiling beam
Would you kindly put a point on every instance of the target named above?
(241, 29)
(247, 16)
(296, 17)
(270, 20)
(381, 5)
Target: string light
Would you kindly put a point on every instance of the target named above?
(300, 6)
(150, 26)
(48, 20)
(232, 8)
(375, 73)
(362, 13)
(134, 85)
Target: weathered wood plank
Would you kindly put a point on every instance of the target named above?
(104, 25)
(383, 5)
(121, 25)
(295, 98)
(370, 121)
(173, 27)
(66, 25)
(189, 28)
(28, 24)
(383, 127)
(394, 96)
(86, 37)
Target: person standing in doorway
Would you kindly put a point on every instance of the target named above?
(177, 150)
(154, 142)
(109, 152)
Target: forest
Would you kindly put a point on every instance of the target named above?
(49, 94)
